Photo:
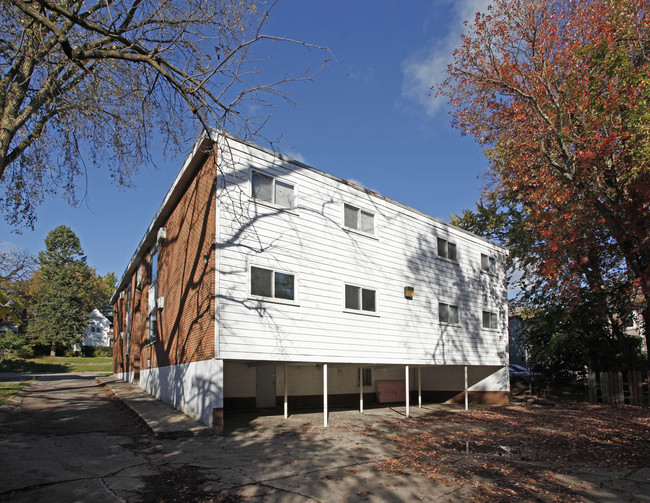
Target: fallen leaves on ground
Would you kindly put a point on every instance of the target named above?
(522, 452)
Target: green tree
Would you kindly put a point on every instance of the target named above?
(63, 291)
(103, 288)
(565, 329)
(104, 76)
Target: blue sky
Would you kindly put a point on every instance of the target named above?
(368, 117)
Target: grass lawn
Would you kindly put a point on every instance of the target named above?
(9, 389)
(98, 364)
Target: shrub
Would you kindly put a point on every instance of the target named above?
(104, 351)
(92, 351)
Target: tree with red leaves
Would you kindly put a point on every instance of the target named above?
(559, 92)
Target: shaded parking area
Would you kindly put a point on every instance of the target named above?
(71, 439)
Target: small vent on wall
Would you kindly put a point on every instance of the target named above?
(161, 303)
(162, 234)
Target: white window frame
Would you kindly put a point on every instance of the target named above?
(491, 263)
(494, 317)
(274, 180)
(361, 310)
(152, 304)
(446, 242)
(448, 304)
(273, 298)
(357, 229)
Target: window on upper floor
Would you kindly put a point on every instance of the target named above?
(138, 277)
(273, 284)
(127, 308)
(448, 313)
(447, 250)
(488, 263)
(152, 331)
(357, 219)
(360, 299)
(490, 320)
(271, 190)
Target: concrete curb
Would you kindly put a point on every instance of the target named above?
(163, 421)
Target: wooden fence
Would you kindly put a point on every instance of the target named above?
(619, 387)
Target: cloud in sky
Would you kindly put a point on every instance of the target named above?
(426, 67)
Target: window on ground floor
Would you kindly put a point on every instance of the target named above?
(448, 313)
(273, 284)
(490, 320)
(361, 299)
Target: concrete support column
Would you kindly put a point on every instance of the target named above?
(419, 387)
(325, 394)
(408, 398)
(361, 390)
(286, 389)
(466, 391)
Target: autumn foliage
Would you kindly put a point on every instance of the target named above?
(558, 92)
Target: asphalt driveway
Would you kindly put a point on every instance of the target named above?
(68, 439)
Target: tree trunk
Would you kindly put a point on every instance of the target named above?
(53, 349)
(643, 325)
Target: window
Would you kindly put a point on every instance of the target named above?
(366, 372)
(128, 309)
(490, 320)
(448, 313)
(447, 249)
(153, 267)
(360, 299)
(488, 263)
(358, 219)
(152, 332)
(274, 284)
(271, 190)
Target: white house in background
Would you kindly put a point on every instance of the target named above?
(263, 282)
(98, 332)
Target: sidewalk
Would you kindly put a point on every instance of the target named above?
(163, 420)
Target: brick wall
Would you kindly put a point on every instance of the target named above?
(186, 268)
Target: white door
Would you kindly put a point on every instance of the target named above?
(265, 386)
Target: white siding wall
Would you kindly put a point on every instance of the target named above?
(195, 388)
(311, 243)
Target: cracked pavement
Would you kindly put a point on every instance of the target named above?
(67, 438)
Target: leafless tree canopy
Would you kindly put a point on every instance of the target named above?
(15, 266)
(103, 76)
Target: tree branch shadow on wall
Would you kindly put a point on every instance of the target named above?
(422, 266)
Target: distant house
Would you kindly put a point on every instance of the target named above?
(98, 332)
(263, 282)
